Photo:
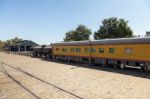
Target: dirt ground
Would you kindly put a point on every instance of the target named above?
(68, 81)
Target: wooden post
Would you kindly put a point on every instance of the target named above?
(25, 48)
(122, 65)
(18, 48)
(147, 67)
(53, 57)
(90, 60)
(104, 63)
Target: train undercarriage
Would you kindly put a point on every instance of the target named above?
(142, 66)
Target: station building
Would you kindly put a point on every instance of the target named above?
(23, 46)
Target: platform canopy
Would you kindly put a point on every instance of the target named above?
(25, 45)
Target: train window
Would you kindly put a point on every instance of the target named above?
(78, 49)
(111, 50)
(101, 50)
(93, 50)
(64, 49)
(57, 49)
(128, 50)
(86, 50)
(72, 49)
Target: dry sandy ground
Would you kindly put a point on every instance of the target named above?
(88, 82)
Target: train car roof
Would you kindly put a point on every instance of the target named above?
(42, 46)
(135, 40)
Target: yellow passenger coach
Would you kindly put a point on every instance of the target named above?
(121, 52)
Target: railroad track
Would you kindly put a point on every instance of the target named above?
(19, 83)
(33, 77)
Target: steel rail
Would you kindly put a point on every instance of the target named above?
(29, 74)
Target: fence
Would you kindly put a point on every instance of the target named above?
(24, 53)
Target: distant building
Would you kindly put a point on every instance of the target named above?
(25, 45)
(147, 33)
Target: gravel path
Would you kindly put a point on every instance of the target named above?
(89, 82)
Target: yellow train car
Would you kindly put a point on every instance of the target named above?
(123, 51)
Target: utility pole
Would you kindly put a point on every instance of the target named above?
(90, 44)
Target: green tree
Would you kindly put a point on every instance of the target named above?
(1, 45)
(9, 42)
(80, 33)
(16, 40)
(13, 41)
(113, 28)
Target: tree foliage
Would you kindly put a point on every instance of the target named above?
(80, 33)
(113, 28)
(1, 45)
(9, 42)
(13, 41)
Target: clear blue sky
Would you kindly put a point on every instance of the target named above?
(46, 21)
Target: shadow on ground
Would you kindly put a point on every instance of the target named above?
(125, 71)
